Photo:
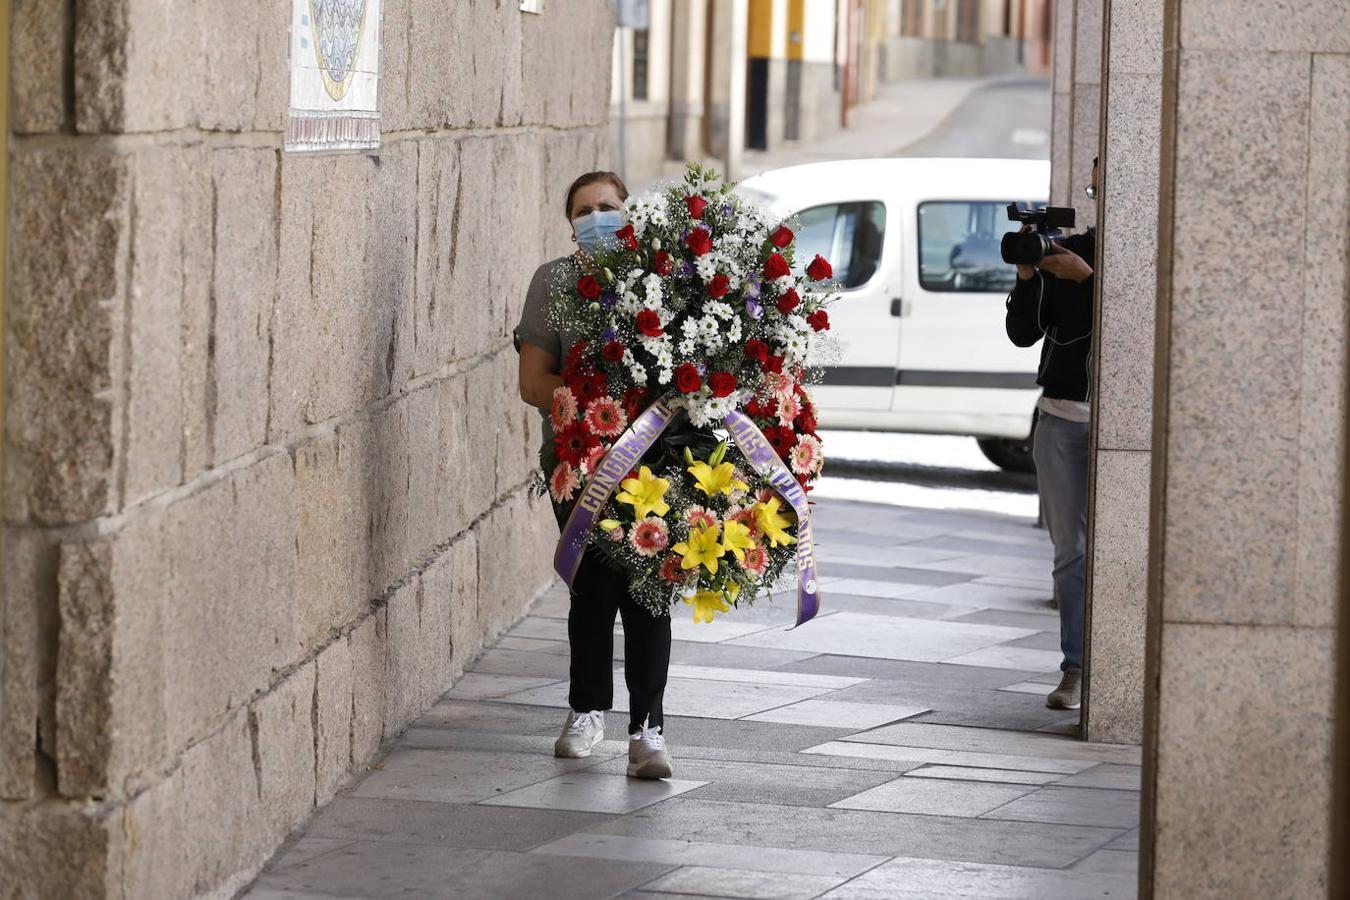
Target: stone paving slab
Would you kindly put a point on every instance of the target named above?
(1073, 806)
(368, 869)
(595, 792)
(971, 773)
(934, 797)
(969, 758)
(722, 882)
(914, 734)
(458, 776)
(705, 853)
(926, 879)
(865, 831)
(834, 713)
(466, 826)
(922, 640)
(785, 784)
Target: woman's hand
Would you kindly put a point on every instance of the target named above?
(538, 374)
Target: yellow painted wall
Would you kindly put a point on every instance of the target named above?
(761, 37)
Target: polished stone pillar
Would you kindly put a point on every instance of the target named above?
(1123, 370)
(688, 49)
(1249, 426)
(1075, 104)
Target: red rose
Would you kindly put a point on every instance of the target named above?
(588, 384)
(627, 236)
(819, 269)
(649, 323)
(696, 206)
(573, 443)
(776, 267)
(588, 287)
(774, 364)
(632, 401)
(665, 264)
(612, 352)
(719, 286)
(782, 438)
(789, 301)
(687, 379)
(782, 237)
(819, 320)
(722, 383)
(698, 241)
(756, 349)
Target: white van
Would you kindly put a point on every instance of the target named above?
(915, 248)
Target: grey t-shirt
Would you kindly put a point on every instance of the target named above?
(538, 327)
(535, 326)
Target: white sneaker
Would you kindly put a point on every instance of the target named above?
(647, 756)
(580, 734)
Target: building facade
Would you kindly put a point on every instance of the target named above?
(265, 470)
(710, 78)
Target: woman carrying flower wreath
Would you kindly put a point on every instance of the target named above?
(595, 210)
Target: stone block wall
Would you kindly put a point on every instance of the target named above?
(265, 470)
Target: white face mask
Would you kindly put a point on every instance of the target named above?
(597, 228)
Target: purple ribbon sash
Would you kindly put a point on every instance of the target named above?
(627, 452)
(766, 462)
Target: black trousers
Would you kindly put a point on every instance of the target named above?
(598, 594)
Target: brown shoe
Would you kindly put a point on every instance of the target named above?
(1069, 694)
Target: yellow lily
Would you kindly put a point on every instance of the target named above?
(714, 480)
(646, 494)
(707, 604)
(771, 522)
(736, 539)
(702, 548)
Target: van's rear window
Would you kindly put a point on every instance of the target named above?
(959, 246)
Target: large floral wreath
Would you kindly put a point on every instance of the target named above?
(698, 300)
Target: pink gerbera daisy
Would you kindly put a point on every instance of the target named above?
(806, 457)
(564, 482)
(698, 516)
(746, 517)
(563, 410)
(650, 536)
(605, 417)
(593, 457)
(780, 386)
(756, 561)
(764, 495)
(789, 409)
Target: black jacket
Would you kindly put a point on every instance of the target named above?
(1061, 312)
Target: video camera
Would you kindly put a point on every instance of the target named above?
(1029, 248)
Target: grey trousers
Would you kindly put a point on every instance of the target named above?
(1060, 450)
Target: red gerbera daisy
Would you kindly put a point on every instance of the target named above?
(588, 384)
(783, 439)
(573, 443)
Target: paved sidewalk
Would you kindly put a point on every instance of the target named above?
(898, 746)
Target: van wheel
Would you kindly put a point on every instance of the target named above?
(1009, 454)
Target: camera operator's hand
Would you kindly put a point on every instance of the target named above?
(1065, 264)
(1024, 273)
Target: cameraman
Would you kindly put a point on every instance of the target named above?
(1052, 301)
